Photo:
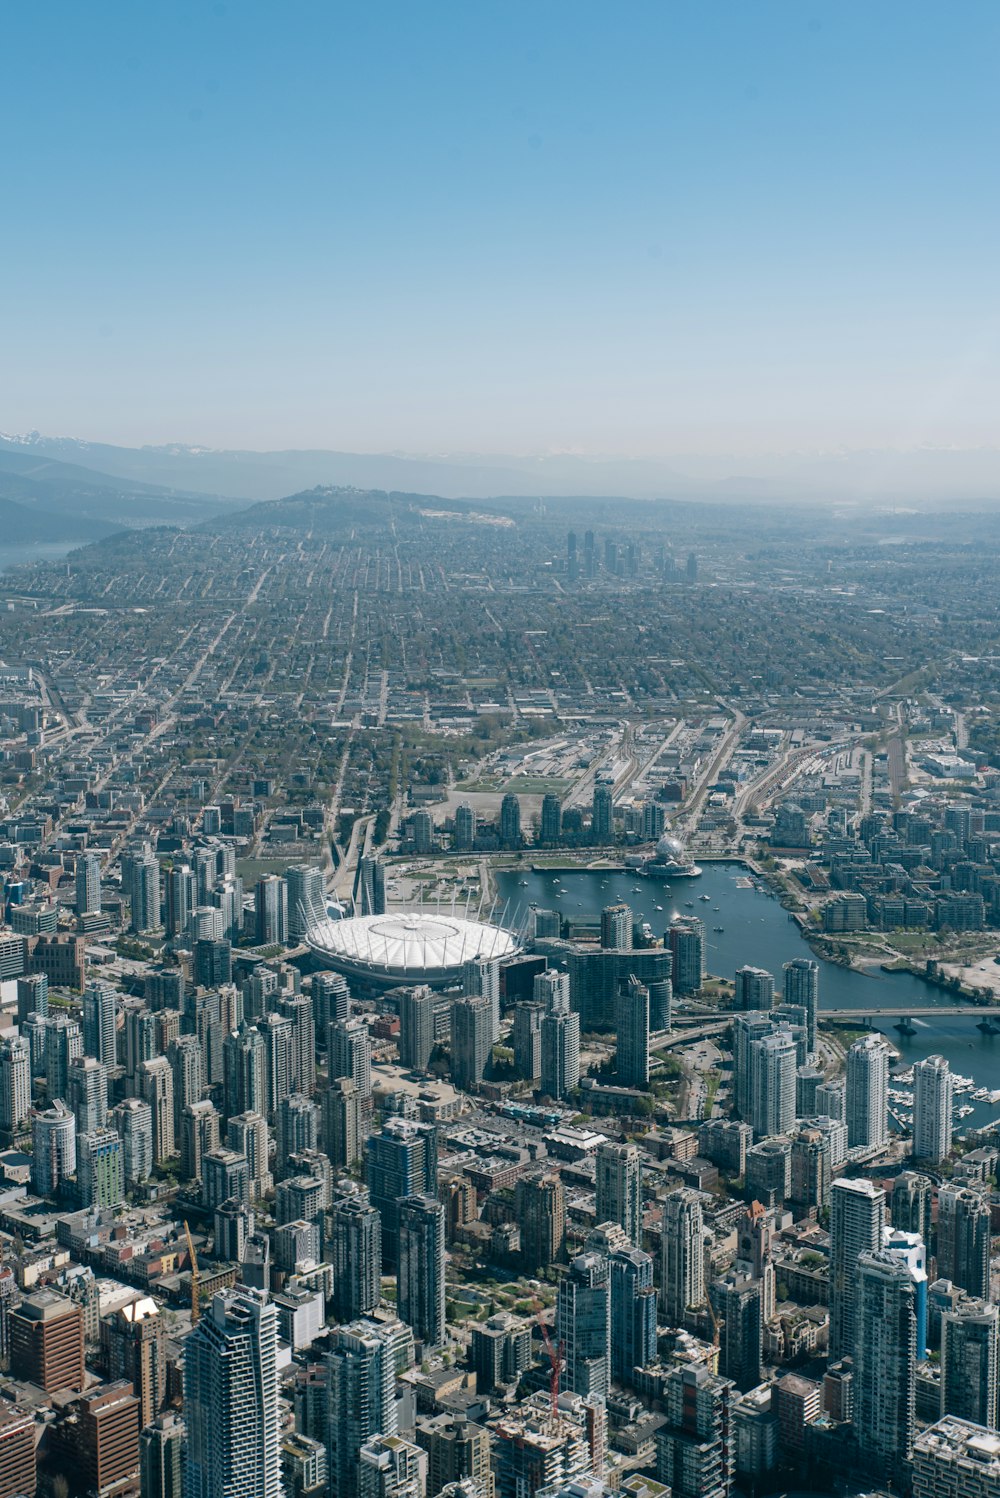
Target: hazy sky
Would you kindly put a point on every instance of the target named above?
(518, 226)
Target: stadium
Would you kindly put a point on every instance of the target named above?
(406, 946)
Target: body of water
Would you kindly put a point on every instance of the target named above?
(41, 551)
(757, 930)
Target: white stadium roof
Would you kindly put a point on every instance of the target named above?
(407, 946)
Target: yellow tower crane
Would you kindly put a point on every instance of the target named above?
(195, 1277)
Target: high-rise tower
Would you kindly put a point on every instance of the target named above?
(619, 1188)
(402, 1161)
(885, 1361)
(15, 1084)
(772, 1084)
(633, 1312)
(361, 1376)
(53, 1147)
(910, 1203)
(686, 939)
(342, 1122)
(510, 821)
(583, 1322)
(754, 988)
(963, 1240)
(695, 1449)
(738, 1302)
(144, 892)
(932, 1110)
(471, 1042)
(560, 1036)
(603, 815)
(802, 988)
(156, 1085)
(857, 1217)
(632, 1050)
(550, 829)
(616, 928)
(231, 1399)
(356, 1256)
(421, 1267)
(416, 1026)
(349, 1054)
(683, 1271)
(481, 980)
(369, 887)
(306, 899)
(528, 1041)
(868, 1093)
(88, 884)
(540, 1208)
(970, 1349)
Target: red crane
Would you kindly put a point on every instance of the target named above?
(556, 1359)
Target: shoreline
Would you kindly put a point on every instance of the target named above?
(875, 966)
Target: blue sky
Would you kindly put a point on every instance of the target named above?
(505, 227)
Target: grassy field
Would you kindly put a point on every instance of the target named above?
(913, 942)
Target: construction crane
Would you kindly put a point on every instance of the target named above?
(195, 1277)
(715, 1324)
(556, 1359)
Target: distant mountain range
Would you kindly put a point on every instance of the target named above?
(43, 498)
(190, 483)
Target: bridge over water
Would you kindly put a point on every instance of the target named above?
(697, 1027)
(939, 1011)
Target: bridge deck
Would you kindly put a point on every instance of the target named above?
(974, 1011)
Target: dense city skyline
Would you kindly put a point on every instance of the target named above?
(497, 998)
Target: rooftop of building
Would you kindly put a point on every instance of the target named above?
(44, 1305)
(11, 1416)
(640, 1486)
(953, 1439)
(798, 1387)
